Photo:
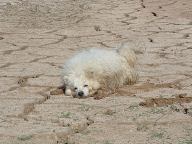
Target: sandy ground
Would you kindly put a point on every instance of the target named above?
(37, 36)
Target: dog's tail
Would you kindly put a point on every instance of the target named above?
(128, 53)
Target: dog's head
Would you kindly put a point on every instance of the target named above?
(77, 87)
(80, 87)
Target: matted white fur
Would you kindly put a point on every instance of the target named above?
(90, 70)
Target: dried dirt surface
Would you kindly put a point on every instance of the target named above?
(37, 36)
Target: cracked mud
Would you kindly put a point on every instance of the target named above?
(36, 37)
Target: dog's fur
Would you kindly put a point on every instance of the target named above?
(94, 69)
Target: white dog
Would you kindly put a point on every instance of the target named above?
(94, 69)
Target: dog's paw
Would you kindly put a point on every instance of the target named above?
(68, 92)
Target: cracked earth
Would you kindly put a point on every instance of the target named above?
(36, 37)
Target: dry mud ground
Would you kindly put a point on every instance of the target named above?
(37, 36)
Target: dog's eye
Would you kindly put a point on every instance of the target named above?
(85, 85)
(75, 88)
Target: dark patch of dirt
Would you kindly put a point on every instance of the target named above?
(159, 102)
(146, 87)
(22, 81)
(57, 91)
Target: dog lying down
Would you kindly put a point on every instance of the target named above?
(98, 70)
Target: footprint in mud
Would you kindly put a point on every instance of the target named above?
(22, 81)
(97, 28)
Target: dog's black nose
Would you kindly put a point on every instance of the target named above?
(81, 93)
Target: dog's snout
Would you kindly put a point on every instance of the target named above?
(81, 93)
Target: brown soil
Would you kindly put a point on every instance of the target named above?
(159, 102)
(57, 91)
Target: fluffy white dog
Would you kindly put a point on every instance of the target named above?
(94, 69)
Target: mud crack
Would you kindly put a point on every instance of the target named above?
(29, 107)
